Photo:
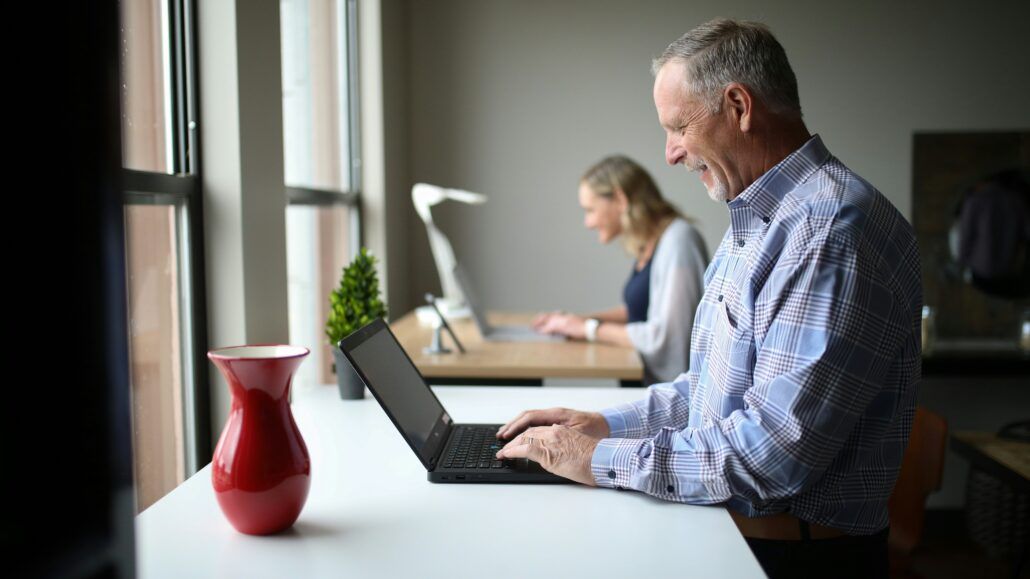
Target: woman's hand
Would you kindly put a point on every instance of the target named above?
(568, 325)
(542, 319)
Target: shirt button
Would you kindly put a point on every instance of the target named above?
(611, 474)
(766, 219)
(669, 488)
(720, 297)
(741, 243)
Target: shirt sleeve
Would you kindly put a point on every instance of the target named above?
(832, 334)
(677, 283)
(664, 405)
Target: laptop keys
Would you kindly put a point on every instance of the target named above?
(475, 448)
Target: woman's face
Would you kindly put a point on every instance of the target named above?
(601, 213)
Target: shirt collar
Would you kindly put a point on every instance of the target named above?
(766, 193)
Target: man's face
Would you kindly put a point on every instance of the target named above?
(700, 141)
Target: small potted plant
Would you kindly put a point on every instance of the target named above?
(353, 305)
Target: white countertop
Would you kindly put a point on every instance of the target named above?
(372, 513)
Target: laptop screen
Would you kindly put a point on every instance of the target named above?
(397, 384)
(470, 298)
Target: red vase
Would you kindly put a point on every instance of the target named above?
(261, 469)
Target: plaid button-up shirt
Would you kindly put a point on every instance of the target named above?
(804, 359)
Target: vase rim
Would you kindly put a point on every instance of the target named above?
(259, 352)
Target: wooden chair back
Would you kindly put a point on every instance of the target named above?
(920, 475)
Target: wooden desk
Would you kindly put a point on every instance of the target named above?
(1007, 460)
(372, 513)
(516, 361)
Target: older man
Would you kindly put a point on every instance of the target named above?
(805, 354)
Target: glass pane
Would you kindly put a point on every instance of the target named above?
(155, 350)
(146, 108)
(318, 248)
(316, 138)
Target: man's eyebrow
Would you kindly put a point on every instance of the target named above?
(675, 122)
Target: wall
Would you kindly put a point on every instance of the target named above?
(516, 99)
(242, 169)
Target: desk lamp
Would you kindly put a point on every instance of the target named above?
(424, 196)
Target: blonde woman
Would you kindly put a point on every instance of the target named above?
(620, 199)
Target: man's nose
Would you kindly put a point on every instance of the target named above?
(673, 152)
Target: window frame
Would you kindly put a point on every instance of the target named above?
(183, 190)
(350, 197)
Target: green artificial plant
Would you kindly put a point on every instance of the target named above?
(357, 301)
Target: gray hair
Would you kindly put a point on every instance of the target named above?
(723, 51)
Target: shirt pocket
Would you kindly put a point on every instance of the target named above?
(725, 327)
(734, 353)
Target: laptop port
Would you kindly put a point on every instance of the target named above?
(460, 477)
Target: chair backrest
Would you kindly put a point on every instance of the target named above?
(921, 470)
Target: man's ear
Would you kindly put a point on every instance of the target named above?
(736, 98)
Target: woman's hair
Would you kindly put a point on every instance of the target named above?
(646, 213)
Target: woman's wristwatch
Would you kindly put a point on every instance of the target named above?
(590, 328)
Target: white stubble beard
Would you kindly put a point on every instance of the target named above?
(719, 192)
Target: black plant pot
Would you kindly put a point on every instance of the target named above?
(351, 385)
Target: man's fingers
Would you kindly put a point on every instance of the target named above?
(536, 436)
(523, 446)
(520, 423)
(527, 419)
(502, 431)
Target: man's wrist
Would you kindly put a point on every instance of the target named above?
(610, 462)
(622, 421)
(602, 429)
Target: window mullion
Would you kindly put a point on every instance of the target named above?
(187, 304)
(353, 87)
(168, 80)
(177, 88)
(189, 85)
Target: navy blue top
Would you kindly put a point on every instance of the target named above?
(637, 292)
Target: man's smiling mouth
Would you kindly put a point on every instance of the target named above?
(698, 166)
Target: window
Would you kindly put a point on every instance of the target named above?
(322, 167)
(171, 430)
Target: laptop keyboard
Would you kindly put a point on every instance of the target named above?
(475, 447)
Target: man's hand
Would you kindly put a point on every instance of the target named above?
(592, 424)
(559, 449)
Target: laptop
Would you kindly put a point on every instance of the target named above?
(492, 333)
(451, 453)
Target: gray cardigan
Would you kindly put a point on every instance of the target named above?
(676, 286)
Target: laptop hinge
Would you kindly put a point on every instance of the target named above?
(437, 439)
